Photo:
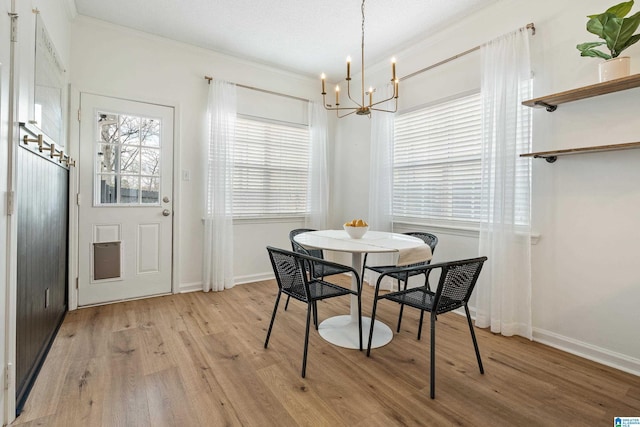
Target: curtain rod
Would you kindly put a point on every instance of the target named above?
(529, 26)
(208, 79)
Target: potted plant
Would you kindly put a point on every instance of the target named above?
(618, 34)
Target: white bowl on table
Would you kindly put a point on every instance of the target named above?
(356, 232)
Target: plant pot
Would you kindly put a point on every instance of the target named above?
(615, 68)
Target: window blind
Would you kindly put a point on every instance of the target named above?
(437, 173)
(271, 163)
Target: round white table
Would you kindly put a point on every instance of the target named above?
(343, 330)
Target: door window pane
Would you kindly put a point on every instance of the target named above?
(150, 133)
(150, 161)
(130, 159)
(107, 156)
(129, 130)
(150, 188)
(130, 189)
(107, 189)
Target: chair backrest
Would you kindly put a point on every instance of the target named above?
(288, 271)
(297, 247)
(428, 238)
(457, 280)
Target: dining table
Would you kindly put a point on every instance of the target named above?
(342, 330)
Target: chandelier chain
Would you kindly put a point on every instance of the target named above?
(362, 9)
(362, 54)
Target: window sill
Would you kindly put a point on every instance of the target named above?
(463, 229)
(458, 229)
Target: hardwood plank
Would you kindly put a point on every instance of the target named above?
(125, 401)
(167, 403)
(83, 396)
(301, 402)
(106, 369)
(209, 399)
(244, 389)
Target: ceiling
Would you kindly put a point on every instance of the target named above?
(303, 36)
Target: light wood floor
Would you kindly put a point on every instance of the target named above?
(198, 360)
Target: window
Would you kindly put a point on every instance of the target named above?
(437, 162)
(270, 168)
(127, 160)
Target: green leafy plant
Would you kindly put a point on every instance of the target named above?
(612, 27)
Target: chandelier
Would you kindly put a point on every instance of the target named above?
(360, 108)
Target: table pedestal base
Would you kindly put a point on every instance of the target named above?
(343, 331)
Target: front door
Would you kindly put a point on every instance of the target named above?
(126, 199)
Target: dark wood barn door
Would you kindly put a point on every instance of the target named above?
(42, 215)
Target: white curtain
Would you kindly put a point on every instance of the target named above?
(217, 272)
(318, 187)
(503, 295)
(381, 181)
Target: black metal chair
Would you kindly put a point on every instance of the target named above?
(403, 275)
(294, 281)
(315, 269)
(456, 283)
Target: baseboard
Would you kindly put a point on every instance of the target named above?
(240, 280)
(588, 351)
(189, 287)
(597, 354)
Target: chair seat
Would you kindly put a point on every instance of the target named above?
(422, 298)
(319, 290)
(382, 269)
(321, 270)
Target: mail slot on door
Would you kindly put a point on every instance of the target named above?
(106, 260)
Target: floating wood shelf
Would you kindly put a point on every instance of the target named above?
(552, 156)
(551, 102)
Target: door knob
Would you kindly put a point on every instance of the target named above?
(165, 199)
(166, 212)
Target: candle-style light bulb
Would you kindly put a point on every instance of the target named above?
(323, 77)
(348, 68)
(393, 68)
(337, 95)
(370, 95)
(396, 86)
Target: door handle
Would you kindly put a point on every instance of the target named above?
(166, 212)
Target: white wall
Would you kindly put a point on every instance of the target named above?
(110, 60)
(586, 208)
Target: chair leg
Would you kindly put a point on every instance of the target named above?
(426, 282)
(360, 318)
(315, 314)
(373, 321)
(287, 303)
(433, 356)
(306, 341)
(473, 337)
(273, 317)
(420, 324)
(401, 306)
(364, 267)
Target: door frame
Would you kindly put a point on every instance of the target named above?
(74, 143)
